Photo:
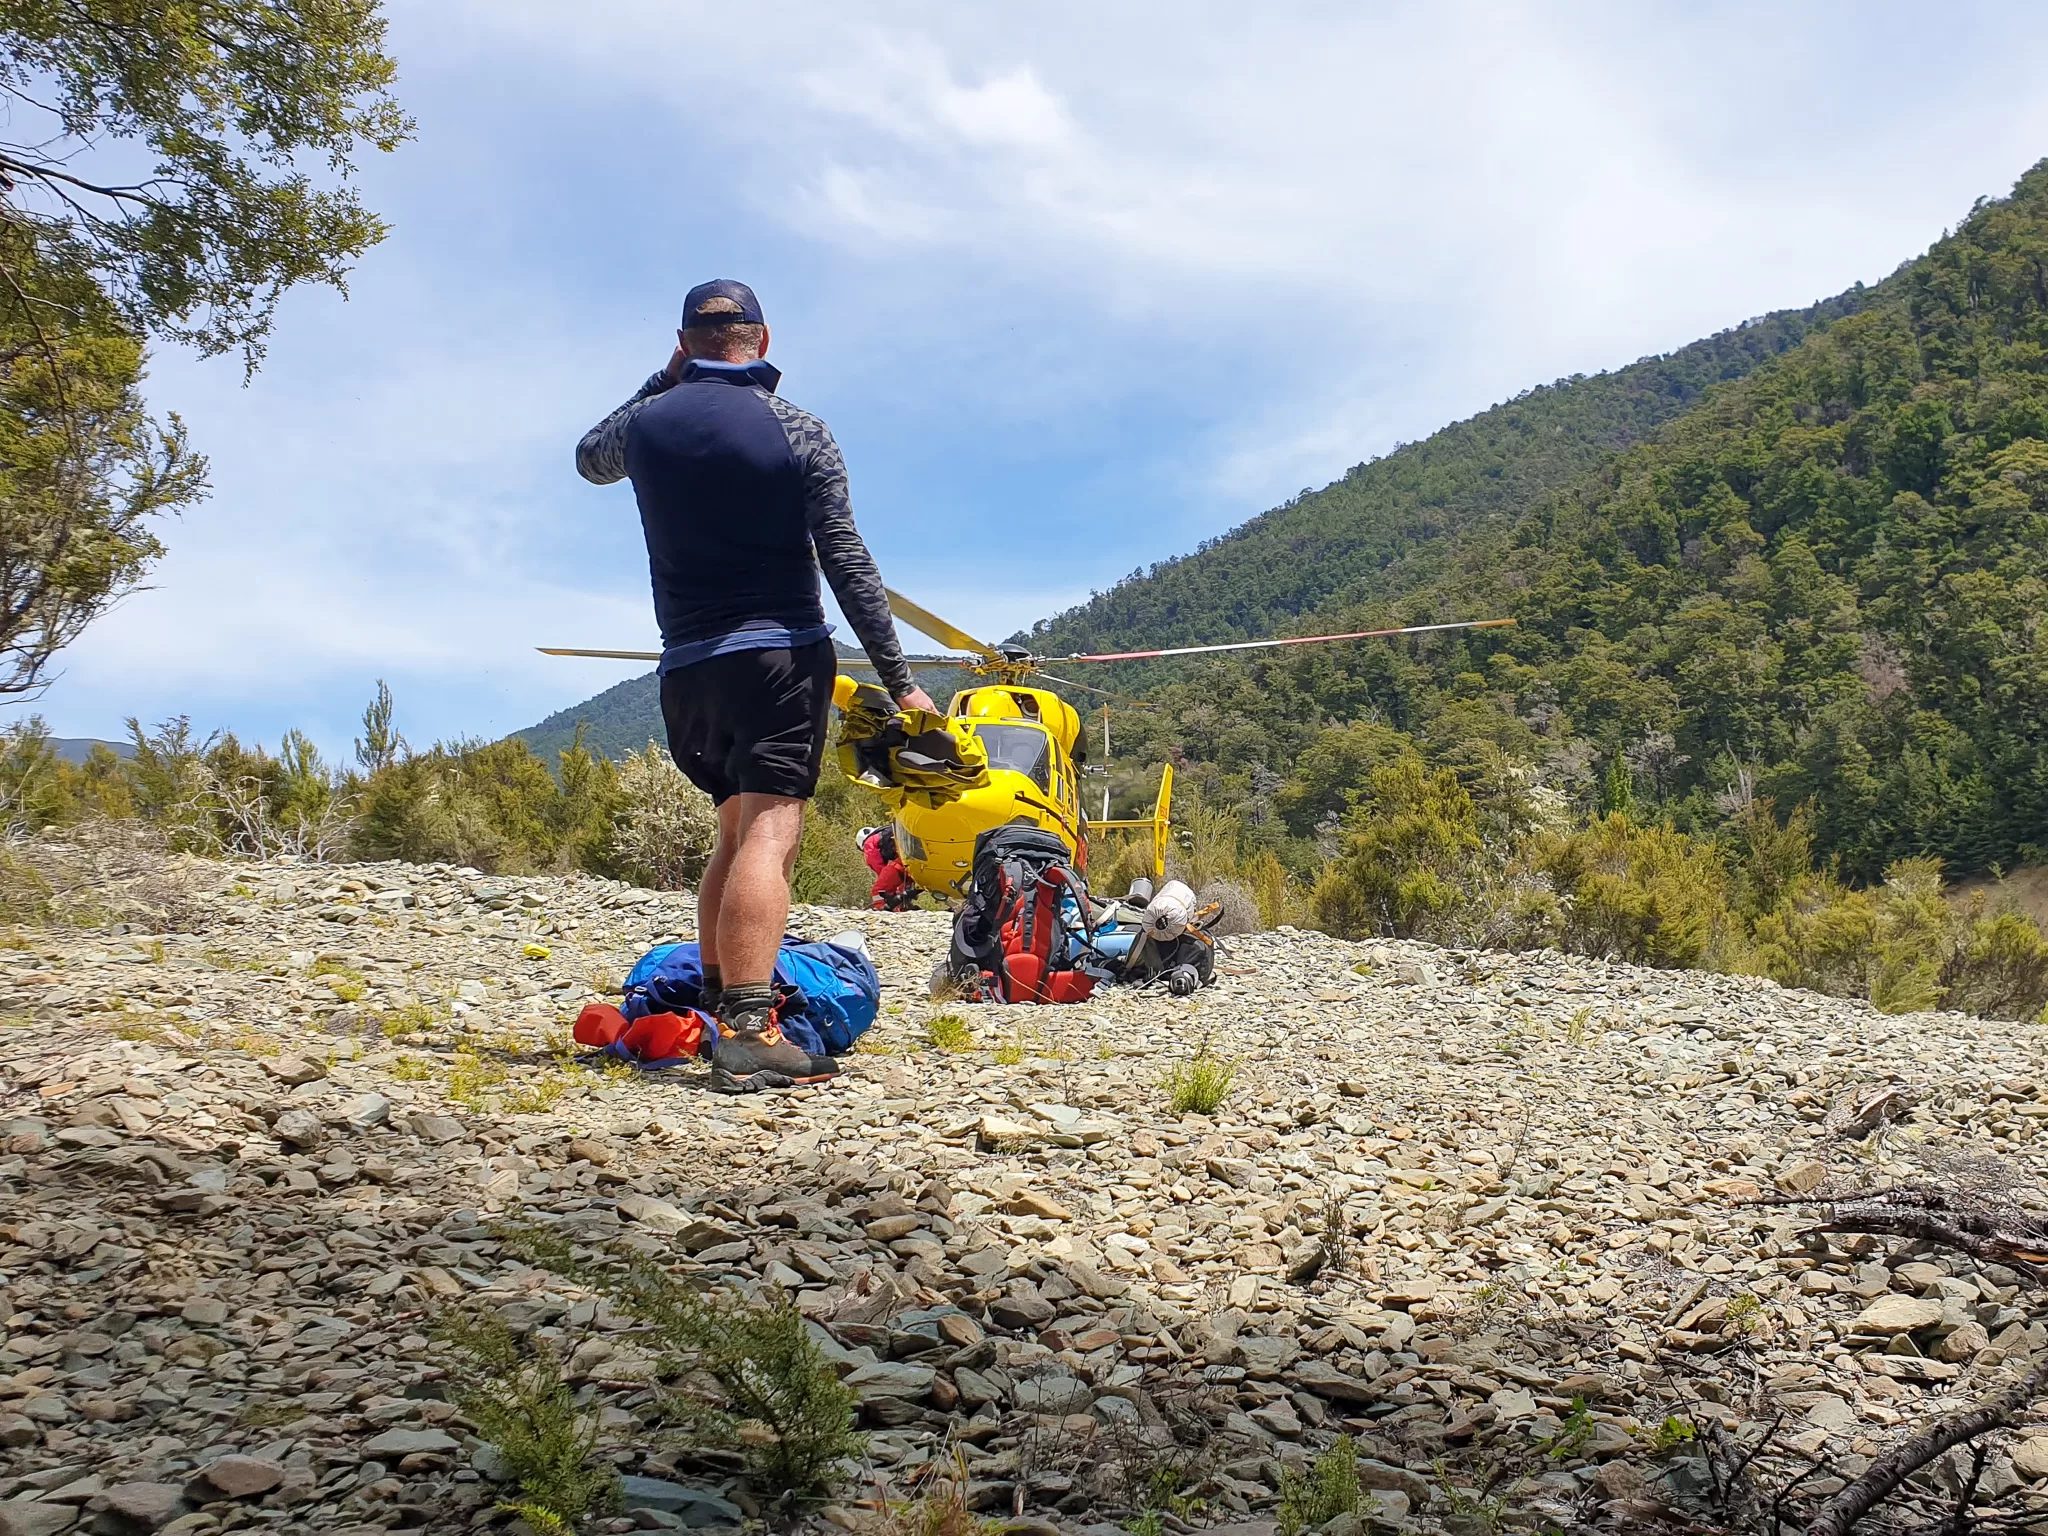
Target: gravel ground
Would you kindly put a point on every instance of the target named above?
(1480, 1211)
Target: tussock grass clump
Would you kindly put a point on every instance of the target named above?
(940, 1508)
(1199, 1085)
(1328, 1489)
(516, 1397)
(949, 1032)
(777, 1400)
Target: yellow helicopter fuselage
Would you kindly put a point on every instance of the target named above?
(1029, 736)
(1034, 745)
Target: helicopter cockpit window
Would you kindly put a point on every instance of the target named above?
(1021, 749)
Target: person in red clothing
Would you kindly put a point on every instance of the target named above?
(894, 891)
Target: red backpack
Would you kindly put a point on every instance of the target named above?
(1011, 942)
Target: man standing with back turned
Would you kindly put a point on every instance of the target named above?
(742, 498)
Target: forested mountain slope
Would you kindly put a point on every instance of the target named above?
(1339, 545)
(1825, 580)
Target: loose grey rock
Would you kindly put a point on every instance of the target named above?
(241, 1477)
(408, 1442)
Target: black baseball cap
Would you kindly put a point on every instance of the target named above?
(721, 288)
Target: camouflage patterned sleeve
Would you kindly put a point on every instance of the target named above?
(601, 456)
(842, 553)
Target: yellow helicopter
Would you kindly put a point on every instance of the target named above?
(1033, 743)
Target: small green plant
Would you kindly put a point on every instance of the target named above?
(1199, 1085)
(1011, 1052)
(1482, 1509)
(519, 1403)
(269, 1414)
(1579, 1029)
(1328, 1489)
(344, 983)
(411, 1069)
(949, 1032)
(941, 1508)
(1151, 1523)
(412, 1019)
(158, 955)
(778, 1401)
(538, 1094)
(1671, 1434)
(1575, 1434)
(1745, 1315)
(471, 1079)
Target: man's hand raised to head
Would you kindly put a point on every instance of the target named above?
(917, 698)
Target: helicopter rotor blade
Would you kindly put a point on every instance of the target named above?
(925, 622)
(1255, 645)
(916, 661)
(563, 650)
(1107, 693)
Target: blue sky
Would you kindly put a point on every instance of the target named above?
(1075, 285)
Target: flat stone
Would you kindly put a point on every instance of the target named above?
(1802, 1178)
(410, 1442)
(147, 1504)
(1020, 1313)
(1054, 1393)
(697, 1236)
(890, 1378)
(2030, 1458)
(24, 1517)
(1265, 1357)
(695, 1505)
(299, 1128)
(438, 1129)
(205, 1311)
(1325, 1380)
(366, 1111)
(655, 1215)
(1897, 1313)
(242, 1477)
(595, 1153)
(294, 1070)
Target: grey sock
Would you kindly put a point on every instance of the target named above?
(752, 997)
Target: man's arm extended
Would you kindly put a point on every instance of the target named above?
(601, 456)
(842, 553)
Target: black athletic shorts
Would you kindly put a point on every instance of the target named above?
(751, 722)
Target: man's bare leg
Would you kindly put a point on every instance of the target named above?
(711, 889)
(752, 903)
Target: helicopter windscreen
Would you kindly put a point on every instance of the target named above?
(1021, 749)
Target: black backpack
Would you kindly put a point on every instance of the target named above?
(1009, 942)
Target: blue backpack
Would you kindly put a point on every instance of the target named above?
(835, 991)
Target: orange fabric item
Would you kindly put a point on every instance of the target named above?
(659, 1036)
(598, 1025)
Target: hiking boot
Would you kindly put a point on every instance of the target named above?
(752, 1042)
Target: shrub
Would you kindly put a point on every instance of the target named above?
(778, 1399)
(1647, 895)
(665, 826)
(949, 1032)
(1328, 1489)
(1272, 890)
(830, 868)
(1905, 947)
(1240, 912)
(1410, 843)
(1199, 1085)
(518, 1401)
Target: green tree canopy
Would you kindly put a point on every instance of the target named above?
(153, 183)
